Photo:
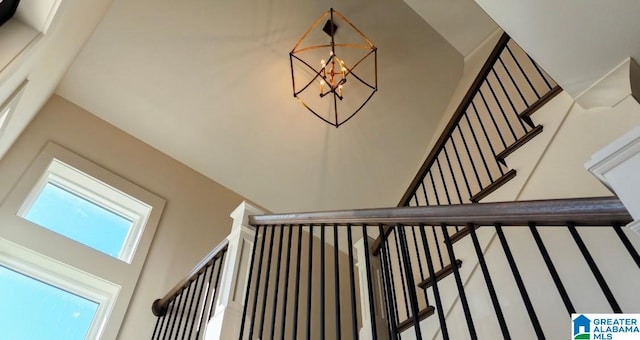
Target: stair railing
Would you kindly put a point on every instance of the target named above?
(418, 254)
(467, 162)
(308, 287)
(185, 310)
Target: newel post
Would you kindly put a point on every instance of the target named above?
(618, 166)
(227, 316)
(375, 273)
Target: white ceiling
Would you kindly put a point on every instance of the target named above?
(208, 83)
(576, 41)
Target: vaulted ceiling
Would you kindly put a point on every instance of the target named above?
(208, 83)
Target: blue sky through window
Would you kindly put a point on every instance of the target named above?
(78, 219)
(31, 309)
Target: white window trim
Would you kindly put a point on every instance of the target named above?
(99, 193)
(62, 276)
(73, 254)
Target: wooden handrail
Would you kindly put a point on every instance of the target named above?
(582, 211)
(159, 306)
(455, 119)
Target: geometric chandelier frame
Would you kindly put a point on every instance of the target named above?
(333, 78)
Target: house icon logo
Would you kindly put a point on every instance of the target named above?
(581, 328)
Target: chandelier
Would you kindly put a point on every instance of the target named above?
(334, 80)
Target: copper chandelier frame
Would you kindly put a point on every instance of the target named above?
(333, 73)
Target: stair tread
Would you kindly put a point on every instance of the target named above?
(509, 175)
(440, 274)
(540, 102)
(519, 143)
(408, 323)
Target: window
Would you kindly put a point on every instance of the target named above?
(44, 299)
(46, 215)
(84, 209)
(45, 311)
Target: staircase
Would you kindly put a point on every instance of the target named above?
(469, 160)
(442, 265)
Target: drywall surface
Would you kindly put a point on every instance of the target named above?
(195, 219)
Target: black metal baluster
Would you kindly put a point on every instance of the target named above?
(309, 281)
(387, 257)
(419, 260)
(627, 244)
(515, 84)
(259, 278)
(594, 269)
(552, 269)
(437, 242)
(354, 318)
(444, 183)
(401, 268)
(413, 299)
(424, 191)
(523, 72)
(434, 284)
(201, 285)
(158, 327)
(504, 114)
(435, 190)
(484, 161)
(201, 310)
(486, 136)
(453, 174)
(266, 282)
(388, 288)
(513, 107)
(170, 316)
(520, 283)
(322, 283)
(489, 282)
(190, 322)
(277, 284)
(294, 333)
(473, 165)
(285, 290)
(490, 114)
(246, 296)
(464, 173)
(184, 302)
(458, 278)
(186, 318)
(175, 316)
(216, 285)
(540, 72)
(367, 260)
(336, 287)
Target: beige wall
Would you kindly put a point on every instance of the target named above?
(195, 219)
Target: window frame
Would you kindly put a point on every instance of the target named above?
(97, 192)
(64, 277)
(74, 255)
